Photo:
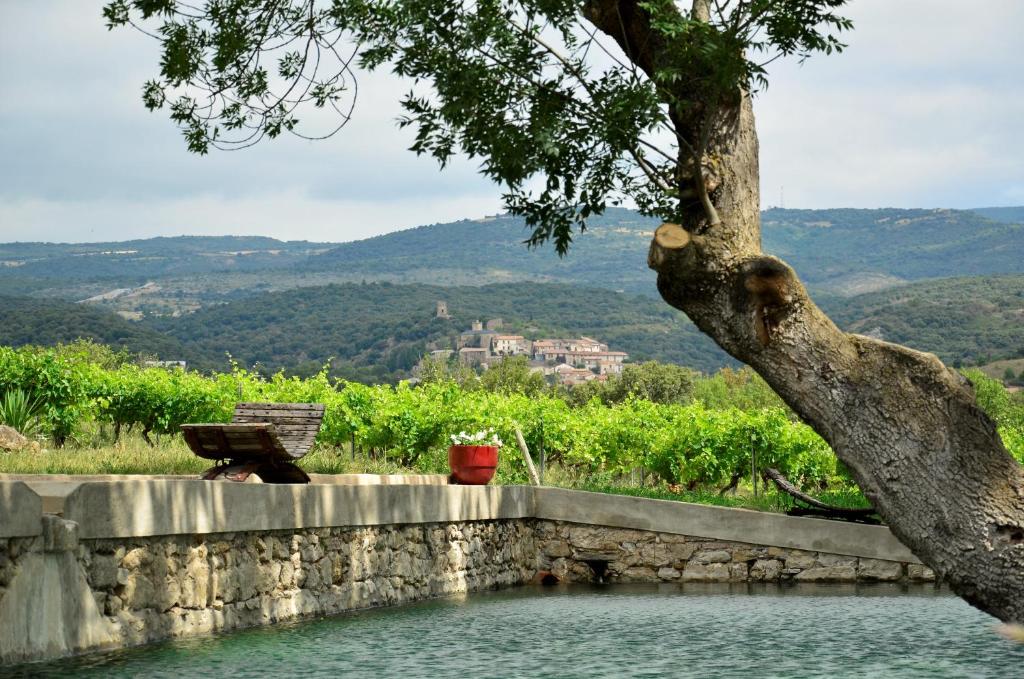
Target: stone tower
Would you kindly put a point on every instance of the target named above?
(442, 309)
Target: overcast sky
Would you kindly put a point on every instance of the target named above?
(924, 109)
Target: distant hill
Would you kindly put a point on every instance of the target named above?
(611, 254)
(381, 329)
(1010, 215)
(844, 251)
(47, 322)
(369, 304)
(378, 331)
(962, 320)
(151, 258)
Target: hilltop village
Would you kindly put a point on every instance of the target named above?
(566, 361)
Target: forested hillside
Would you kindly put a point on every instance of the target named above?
(849, 251)
(1010, 215)
(151, 258)
(844, 251)
(835, 251)
(612, 254)
(379, 331)
(963, 320)
(266, 301)
(47, 322)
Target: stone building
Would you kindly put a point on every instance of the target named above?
(570, 376)
(473, 355)
(510, 345)
(165, 364)
(476, 337)
(584, 351)
(604, 362)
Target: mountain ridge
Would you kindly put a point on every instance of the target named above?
(840, 251)
(903, 274)
(376, 331)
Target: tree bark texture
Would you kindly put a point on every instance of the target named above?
(929, 460)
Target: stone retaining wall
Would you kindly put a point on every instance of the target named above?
(175, 586)
(573, 552)
(129, 591)
(87, 565)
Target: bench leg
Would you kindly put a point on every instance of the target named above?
(282, 472)
(230, 471)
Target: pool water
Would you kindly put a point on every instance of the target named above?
(602, 631)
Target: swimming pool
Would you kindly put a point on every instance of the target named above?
(602, 631)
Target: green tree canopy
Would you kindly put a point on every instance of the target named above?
(512, 375)
(565, 122)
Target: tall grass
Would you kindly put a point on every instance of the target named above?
(96, 454)
(132, 455)
(20, 410)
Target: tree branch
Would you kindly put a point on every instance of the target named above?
(626, 23)
(701, 10)
(580, 77)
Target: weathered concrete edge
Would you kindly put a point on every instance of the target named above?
(54, 488)
(169, 507)
(720, 523)
(172, 507)
(21, 511)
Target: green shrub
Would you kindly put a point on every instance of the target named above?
(994, 399)
(20, 410)
(742, 388)
(1013, 439)
(703, 443)
(61, 384)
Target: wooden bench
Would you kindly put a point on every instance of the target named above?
(263, 439)
(816, 507)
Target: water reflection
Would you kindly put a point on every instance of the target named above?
(695, 630)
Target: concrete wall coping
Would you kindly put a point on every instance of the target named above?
(54, 488)
(166, 507)
(21, 511)
(136, 508)
(720, 523)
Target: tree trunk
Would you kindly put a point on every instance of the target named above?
(925, 455)
(928, 459)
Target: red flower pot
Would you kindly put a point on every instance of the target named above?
(472, 465)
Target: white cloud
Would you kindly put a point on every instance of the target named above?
(923, 109)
